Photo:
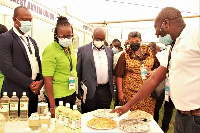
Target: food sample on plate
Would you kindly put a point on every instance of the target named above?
(139, 114)
(133, 125)
(105, 113)
(101, 123)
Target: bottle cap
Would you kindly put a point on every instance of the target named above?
(60, 103)
(27, 130)
(5, 93)
(67, 105)
(74, 107)
(44, 127)
(24, 93)
(60, 124)
(14, 93)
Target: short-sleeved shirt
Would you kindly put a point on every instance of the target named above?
(56, 63)
(184, 70)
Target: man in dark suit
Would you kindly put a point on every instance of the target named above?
(95, 70)
(20, 62)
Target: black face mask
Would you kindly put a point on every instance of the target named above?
(135, 46)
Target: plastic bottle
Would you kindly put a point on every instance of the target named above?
(60, 128)
(66, 114)
(44, 128)
(14, 101)
(59, 112)
(24, 107)
(5, 101)
(2, 123)
(75, 119)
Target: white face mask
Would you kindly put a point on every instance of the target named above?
(98, 44)
(115, 50)
(25, 26)
(65, 42)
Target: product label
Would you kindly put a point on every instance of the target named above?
(14, 106)
(4, 107)
(66, 121)
(23, 106)
(78, 123)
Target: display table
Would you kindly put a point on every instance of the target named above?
(19, 126)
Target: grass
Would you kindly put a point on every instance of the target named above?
(171, 124)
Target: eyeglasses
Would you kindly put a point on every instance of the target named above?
(65, 36)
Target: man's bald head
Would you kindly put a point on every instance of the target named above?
(19, 9)
(169, 13)
(99, 30)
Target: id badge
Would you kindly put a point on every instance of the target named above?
(71, 82)
(167, 89)
(143, 71)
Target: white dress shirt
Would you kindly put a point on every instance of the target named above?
(32, 58)
(184, 70)
(101, 64)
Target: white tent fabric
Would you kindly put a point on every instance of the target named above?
(92, 11)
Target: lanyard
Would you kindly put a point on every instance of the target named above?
(140, 60)
(68, 52)
(170, 51)
(27, 44)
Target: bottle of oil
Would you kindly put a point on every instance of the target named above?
(59, 112)
(75, 119)
(14, 100)
(24, 107)
(66, 113)
(60, 128)
(5, 101)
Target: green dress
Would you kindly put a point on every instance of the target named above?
(1, 80)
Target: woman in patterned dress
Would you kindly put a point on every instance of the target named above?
(128, 75)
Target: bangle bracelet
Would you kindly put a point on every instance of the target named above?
(53, 108)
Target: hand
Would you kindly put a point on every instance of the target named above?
(121, 110)
(79, 97)
(36, 86)
(121, 99)
(149, 73)
(52, 113)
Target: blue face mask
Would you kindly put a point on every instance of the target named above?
(166, 39)
(115, 50)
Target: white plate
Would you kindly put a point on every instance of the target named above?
(139, 114)
(131, 125)
(97, 122)
(104, 113)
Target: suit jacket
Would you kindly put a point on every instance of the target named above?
(86, 70)
(15, 65)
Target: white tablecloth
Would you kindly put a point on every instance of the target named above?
(19, 126)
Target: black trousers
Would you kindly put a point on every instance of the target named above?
(68, 99)
(102, 99)
(168, 111)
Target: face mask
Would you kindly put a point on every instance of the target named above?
(98, 44)
(25, 26)
(135, 46)
(65, 42)
(166, 39)
(115, 50)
